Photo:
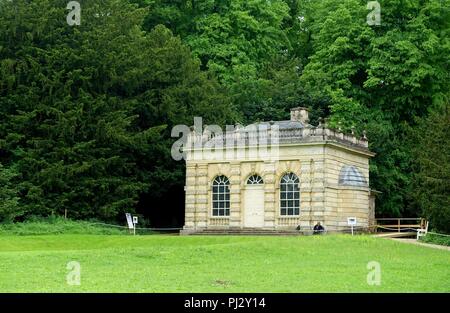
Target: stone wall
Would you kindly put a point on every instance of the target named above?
(345, 201)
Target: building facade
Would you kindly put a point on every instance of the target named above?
(277, 176)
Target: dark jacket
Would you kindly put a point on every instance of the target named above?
(318, 229)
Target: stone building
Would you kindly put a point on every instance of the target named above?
(276, 176)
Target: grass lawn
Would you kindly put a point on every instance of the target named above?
(158, 263)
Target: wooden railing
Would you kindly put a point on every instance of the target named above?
(399, 224)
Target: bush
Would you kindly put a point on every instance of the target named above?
(57, 225)
(436, 239)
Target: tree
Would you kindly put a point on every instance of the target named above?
(231, 38)
(247, 44)
(380, 78)
(431, 187)
(86, 111)
(9, 200)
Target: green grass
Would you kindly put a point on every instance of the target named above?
(161, 263)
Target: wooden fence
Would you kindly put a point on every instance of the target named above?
(399, 224)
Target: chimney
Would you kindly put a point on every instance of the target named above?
(300, 114)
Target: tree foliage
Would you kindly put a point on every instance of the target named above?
(431, 186)
(246, 44)
(380, 78)
(85, 110)
(9, 197)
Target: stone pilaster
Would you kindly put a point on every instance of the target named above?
(306, 176)
(235, 195)
(190, 198)
(270, 214)
(318, 191)
(202, 189)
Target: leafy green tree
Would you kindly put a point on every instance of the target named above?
(380, 78)
(86, 111)
(9, 197)
(231, 38)
(431, 186)
(247, 44)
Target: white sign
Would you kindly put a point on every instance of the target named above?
(129, 221)
(351, 221)
(135, 219)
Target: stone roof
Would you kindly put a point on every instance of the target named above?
(295, 130)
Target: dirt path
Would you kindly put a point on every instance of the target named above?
(429, 245)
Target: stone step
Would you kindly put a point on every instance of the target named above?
(245, 234)
(246, 231)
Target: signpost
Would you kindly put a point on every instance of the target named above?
(135, 220)
(351, 221)
(131, 221)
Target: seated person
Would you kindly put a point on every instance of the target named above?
(318, 229)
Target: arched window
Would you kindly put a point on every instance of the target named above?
(289, 195)
(221, 196)
(255, 180)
